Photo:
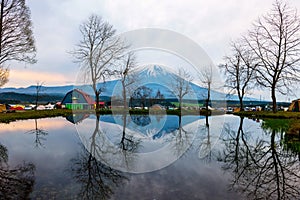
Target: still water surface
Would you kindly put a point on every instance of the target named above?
(232, 159)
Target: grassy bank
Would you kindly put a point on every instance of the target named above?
(32, 114)
(269, 114)
(290, 120)
(23, 115)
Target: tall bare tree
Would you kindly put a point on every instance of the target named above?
(38, 90)
(181, 85)
(98, 51)
(240, 71)
(206, 77)
(275, 42)
(126, 75)
(16, 37)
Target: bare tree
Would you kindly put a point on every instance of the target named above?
(206, 77)
(275, 42)
(38, 89)
(240, 71)
(181, 85)
(98, 51)
(16, 37)
(126, 75)
(4, 73)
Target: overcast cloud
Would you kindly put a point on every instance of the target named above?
(212, 24)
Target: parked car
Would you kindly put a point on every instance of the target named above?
(229, 110)
(29, 107)
(49, 107)
(41, 107)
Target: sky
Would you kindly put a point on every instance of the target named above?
(211, 24)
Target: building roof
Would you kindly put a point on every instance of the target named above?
(88, 99)
(86, 96)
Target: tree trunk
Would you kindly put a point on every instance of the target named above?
(36, 99)
(207, 102)
(124, 96)
(180, 104)
(97, 94)
(274, 99)
(241, 103)
(206, 113)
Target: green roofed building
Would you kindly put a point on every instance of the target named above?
(78, 100)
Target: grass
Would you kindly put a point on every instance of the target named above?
(294, 127)
(188, 104)
(269, 114)
(292, 143)
(289, 121)
(33, 114)
(279, 125)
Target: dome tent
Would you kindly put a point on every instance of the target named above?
(295, 106)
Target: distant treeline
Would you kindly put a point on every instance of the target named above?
(15, 98)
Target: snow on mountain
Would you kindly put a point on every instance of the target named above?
(153, 71)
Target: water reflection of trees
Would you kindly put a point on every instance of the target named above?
(39, 133)
(99, 180)
(128, 143)
(17, 182)
(182, 138)
(261, 168)
(205, 145)
(141, 120)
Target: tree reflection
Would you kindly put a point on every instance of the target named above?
(17, 182)
(182, 138)
(205, 148)
(261, 168)
(97, 179)
(40, 135)
(128, 142)
(141, 120)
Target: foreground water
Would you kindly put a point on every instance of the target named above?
(161, 157)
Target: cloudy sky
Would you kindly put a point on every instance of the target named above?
(212, 24)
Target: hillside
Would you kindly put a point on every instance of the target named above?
(13, 98)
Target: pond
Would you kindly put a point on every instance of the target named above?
(146, 157)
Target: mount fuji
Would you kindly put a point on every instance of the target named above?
(152, 76)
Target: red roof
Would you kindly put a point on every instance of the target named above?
(86, 96)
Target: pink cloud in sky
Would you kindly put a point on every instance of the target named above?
(27, 77)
